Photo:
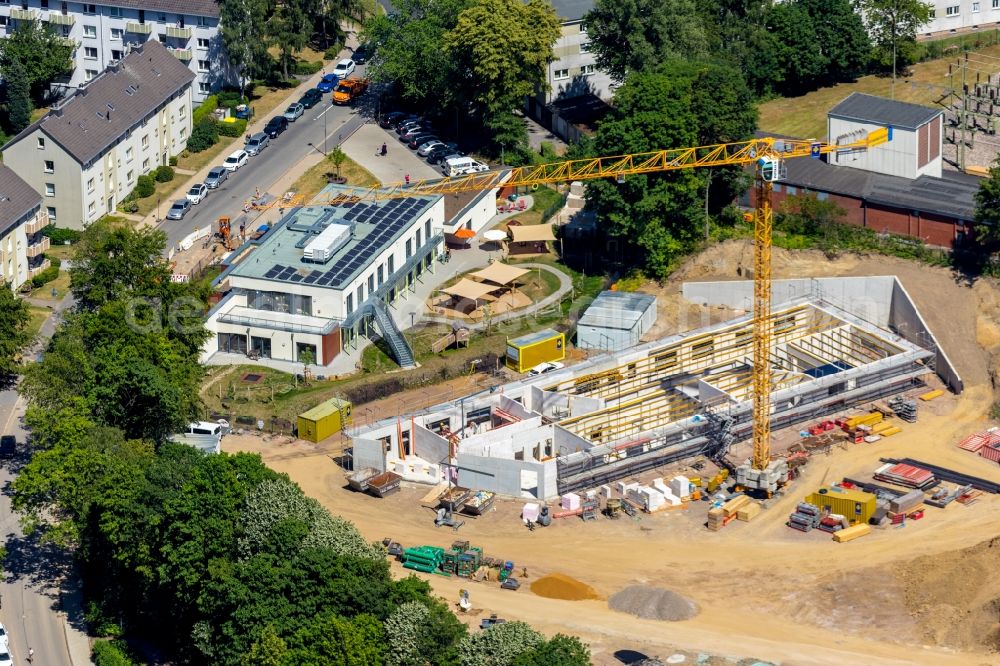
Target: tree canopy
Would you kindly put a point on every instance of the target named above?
(14, 336)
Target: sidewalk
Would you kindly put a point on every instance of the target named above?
(393, 168)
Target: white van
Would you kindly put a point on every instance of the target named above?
(459, 166)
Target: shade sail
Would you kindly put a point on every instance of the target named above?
(468, 289)
(464, 233)
(499, 273)
(532, 233)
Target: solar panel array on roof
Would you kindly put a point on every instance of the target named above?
(388, 219)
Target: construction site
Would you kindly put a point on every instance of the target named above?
(798, 468)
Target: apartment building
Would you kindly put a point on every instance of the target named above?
(85, 155)
(22, 219)
(103, 34)
(574, 70)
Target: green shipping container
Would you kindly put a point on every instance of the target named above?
(855, 505)
(529, 350)
(325, 419)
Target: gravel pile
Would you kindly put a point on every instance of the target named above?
(653, 603)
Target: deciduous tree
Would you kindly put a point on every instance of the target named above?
(43, 55)
(500, 645)
(893, 26)
(18, 94)
(987, 216)
(14, 336)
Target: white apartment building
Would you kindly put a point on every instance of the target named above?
(104, 33)
(574, 70)
(954, 16)
(22, 219)
(322, 276)
(85, 155)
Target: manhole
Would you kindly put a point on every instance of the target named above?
(252, 377)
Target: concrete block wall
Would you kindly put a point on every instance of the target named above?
(507, 476)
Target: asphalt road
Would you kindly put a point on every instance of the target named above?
(306, 134)
(29, 592)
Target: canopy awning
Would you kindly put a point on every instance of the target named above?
(499, 273)
(532, 233)
(468, 289)
(464, 233)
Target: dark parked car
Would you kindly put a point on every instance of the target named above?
(439, 154)
(414, 131)
(420, 139)
(362, 54)
(311, 98)
(389, 120)
(8, 446)
(408, 123)
(276, 126)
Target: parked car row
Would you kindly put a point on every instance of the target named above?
(418, 134)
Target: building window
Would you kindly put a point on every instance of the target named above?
(427, 228)
(116, 55)
(50, 189)
(560, 74)
(145, 141)
(89, 9)
(90, 53)
(145, 165)
(587, 70)
(350, 303)
(161, 18)
(361, 294)
(41, 143)
(952, 11)
(3, 20)
(932, 14)
(822, 196)
(585, 47)
(203, 43)
(371, 283)
(128, 154)
(91, 73)
(116, 34)
(202, 65)
(50, 166)
(162, 37)
(90, 185)
(419, 242)
(90, 31)
(975, 7)
(180, 21)
(203, 87)
(381, 275)
(996, 4)
(392, 264)
(202, 22)
(129, 176)
(409, 248)
(92, 208)
(114, 11)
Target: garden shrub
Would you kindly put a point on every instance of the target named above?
(145, 186)
(163, 174)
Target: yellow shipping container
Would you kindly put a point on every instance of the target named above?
(325, 419)
(529, 350)
(855, 505)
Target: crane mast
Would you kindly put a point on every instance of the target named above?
(767, 155)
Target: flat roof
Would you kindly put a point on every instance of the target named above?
(616, 309)
(531, 338)
(375, 226)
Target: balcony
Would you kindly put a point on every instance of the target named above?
(181, 54)
(67, 41)
(61, 19)
(179, 33)
(23, 14)
(139, 28)
(32, 272)
(38, 247)
(40, 222)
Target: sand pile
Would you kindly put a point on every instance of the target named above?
(653, 603)
(559, 586)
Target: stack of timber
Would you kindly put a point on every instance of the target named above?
(903, 474)
(851, 533)
(805, 517)
(748, 512)
(716, 521)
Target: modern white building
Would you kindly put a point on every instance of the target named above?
(85, 155)
(103, 34)
(914, 148)
(322, 276)
(22, 219)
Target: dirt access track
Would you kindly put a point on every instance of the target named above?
(926, 594)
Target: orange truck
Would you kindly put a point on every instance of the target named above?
(348, 90)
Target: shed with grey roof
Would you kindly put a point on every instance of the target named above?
(616, 320)
(881, 111)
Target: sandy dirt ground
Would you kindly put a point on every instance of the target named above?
(928, 593)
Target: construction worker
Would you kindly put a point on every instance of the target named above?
(524, 572)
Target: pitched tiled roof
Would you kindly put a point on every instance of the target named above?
(16, 198)
(881, 111)
(192, 7)
(92, 119)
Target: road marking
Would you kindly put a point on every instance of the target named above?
(324, 112)
(13, 410)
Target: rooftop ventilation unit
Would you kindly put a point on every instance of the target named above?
(331, 239)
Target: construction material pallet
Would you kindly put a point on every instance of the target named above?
(952, 476)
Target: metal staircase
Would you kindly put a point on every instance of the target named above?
(391, 334)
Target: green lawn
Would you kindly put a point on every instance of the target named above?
(314, 180)
(38, 317)
(60, 284)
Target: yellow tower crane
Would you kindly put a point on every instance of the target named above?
(767, 155)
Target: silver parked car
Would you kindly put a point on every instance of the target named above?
(179, 209)
(257, 143)
(217, 176)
